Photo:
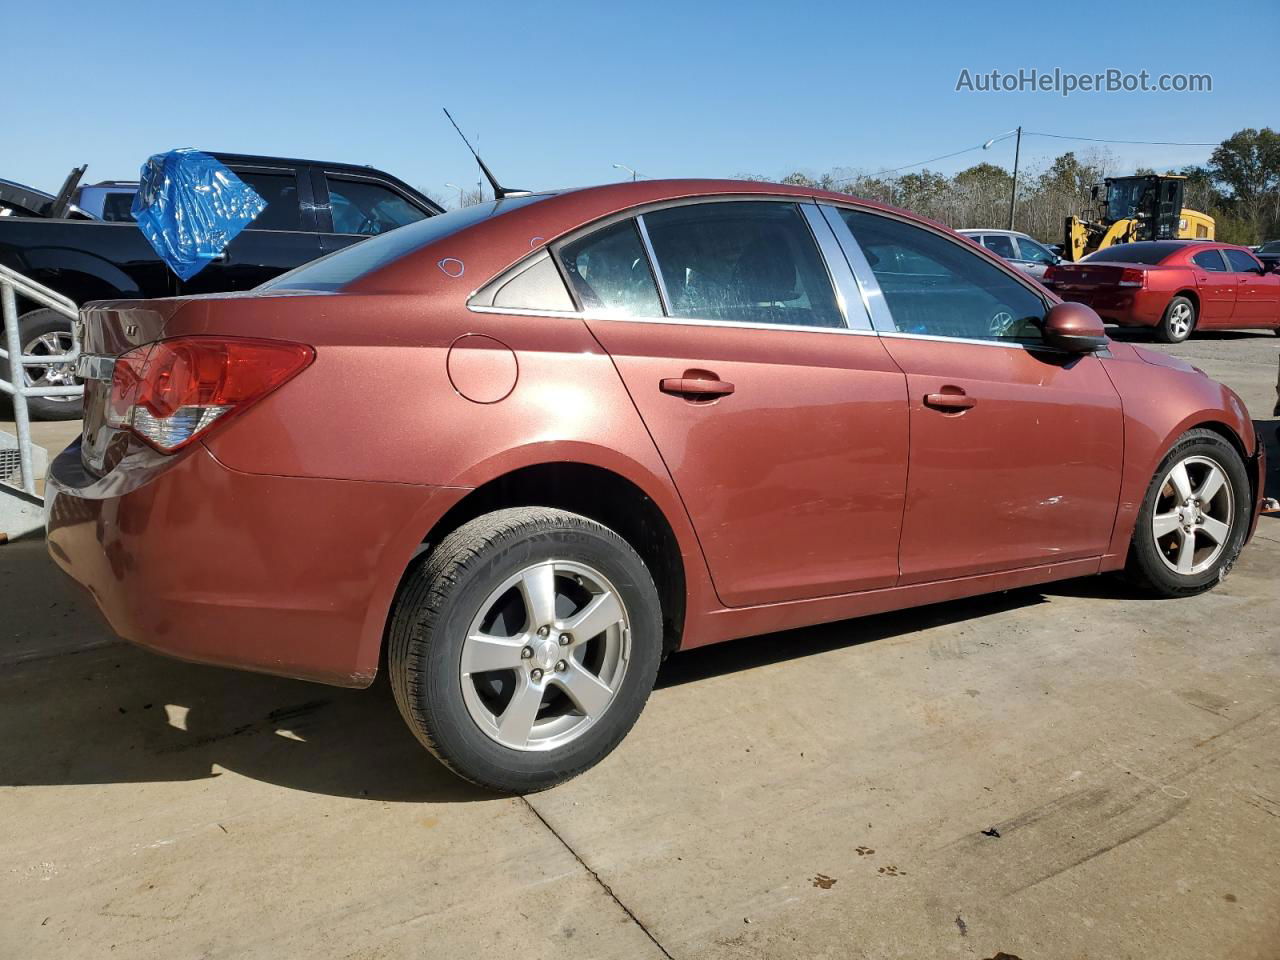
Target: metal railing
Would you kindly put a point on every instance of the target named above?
(13, 283)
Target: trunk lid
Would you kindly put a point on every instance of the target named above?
(1088, 276)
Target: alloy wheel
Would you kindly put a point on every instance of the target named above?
(54, 344)
(545, 656)
(1193, 515)
(1180, 320)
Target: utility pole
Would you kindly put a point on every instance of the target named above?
(1013, 192)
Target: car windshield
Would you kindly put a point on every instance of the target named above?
(1133, 253)
(1272, 247)
(335, 271)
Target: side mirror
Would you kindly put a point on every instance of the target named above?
(1271, 266)
(1075, 328)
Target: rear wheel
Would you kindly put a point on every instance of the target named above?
(524, 648)
(47, 333)
(1194, 518)
(1178, 321)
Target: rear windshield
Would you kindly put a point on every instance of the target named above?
(336, 270)
(1134, 253)
(1272, 247)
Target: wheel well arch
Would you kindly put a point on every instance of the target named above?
(1191, 295)
(1229, 434)
(600, 494)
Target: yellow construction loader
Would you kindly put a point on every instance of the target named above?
(1127, 209)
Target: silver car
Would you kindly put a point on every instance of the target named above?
(1029, 256)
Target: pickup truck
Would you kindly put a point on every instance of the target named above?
(313, 208)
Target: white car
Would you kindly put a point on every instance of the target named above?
(1029, 256)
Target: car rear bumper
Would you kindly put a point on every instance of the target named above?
(1126, 307)
(285, 575)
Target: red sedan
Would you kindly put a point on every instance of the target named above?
(1175, 286)
(527, 449)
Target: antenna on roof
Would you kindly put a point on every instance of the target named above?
(499, 191)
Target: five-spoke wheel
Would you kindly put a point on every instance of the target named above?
(545, 655)
(523, 649)
(1194, 518)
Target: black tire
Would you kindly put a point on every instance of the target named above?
(1168, 329)
(1145, 567)
(433, 613)
(32, 326)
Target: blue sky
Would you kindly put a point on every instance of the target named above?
(557, 92)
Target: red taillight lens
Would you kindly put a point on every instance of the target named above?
(1049, 273)
(1133, 278)
(170, 392)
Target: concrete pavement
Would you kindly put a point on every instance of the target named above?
(832, 792)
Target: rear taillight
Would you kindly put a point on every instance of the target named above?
(171, 391)
(1133, 278)
(1049, 274)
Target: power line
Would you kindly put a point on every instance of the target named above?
(1032, 133)
(1151, 143)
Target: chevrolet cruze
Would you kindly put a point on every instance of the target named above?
(518, 453)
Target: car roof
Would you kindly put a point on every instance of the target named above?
(494, 244)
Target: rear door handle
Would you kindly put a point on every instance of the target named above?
(691, 387)
(949, 401)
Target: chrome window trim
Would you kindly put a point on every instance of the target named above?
(868, 286)
(843, 282)
(677, 321)
(655, 269)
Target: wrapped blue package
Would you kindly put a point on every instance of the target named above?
(189, 207)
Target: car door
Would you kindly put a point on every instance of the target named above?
(1216, 286)
(1257, 292)
(352, 207)
(1034, 258)
(280, 238)
(781, 417)
(1016, 449)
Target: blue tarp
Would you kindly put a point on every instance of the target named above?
(189, 207)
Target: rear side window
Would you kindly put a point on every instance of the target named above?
(742, 262)
(117, 207)
(999, 244)
(1241, 262)
(937, 287)
(362, 207)
(280, 190)
(1210, 260)
(609, 271)
(1134, 253)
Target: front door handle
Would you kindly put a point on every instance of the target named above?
(696, 388)
(949, 401)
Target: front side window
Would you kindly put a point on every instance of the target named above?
(1241, 262)
(999, 244)
(280, 190)
(1035, 253)
(742, 262)
(935, 287)
(1210, 260)
(610, 272)
(369, 208)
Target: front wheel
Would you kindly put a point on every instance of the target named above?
(1178, 321)
(1194, 518)
(524, 648)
